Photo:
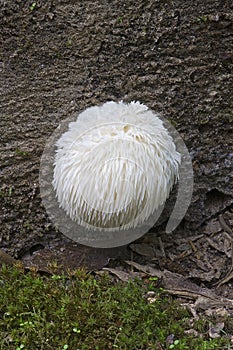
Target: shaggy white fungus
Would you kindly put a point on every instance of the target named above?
(115, 166)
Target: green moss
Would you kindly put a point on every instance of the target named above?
(21, 153)
(88, 312)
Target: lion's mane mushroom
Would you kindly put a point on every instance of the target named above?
(114, 166)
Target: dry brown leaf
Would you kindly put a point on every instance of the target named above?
(214, 332)
(143, 249)
(149, 270)
(6, 258)
(123, 276)
(213, 227)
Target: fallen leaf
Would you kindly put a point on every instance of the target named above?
(6, 258)
(170, 339)
(214, 332)
(149, 270)
(123, 276)
(143, 249)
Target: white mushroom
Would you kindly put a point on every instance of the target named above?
(115, 166)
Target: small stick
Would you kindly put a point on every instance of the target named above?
(194, 249)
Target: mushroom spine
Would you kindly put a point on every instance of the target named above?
(115, 166)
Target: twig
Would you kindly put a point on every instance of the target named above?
(194, 249)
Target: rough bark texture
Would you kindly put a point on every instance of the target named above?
(58, 57)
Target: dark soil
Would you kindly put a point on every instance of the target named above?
(59, 57)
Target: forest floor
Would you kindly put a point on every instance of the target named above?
(59, 57)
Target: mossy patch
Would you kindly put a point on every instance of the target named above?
(86, 311)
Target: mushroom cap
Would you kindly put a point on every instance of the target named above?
(115, 166)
